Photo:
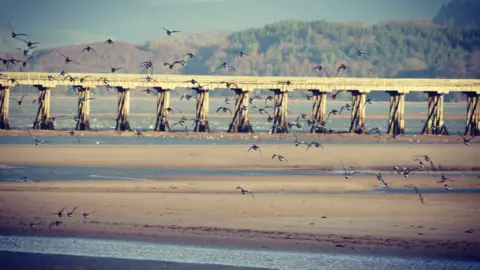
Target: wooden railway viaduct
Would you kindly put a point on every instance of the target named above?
(243, 86)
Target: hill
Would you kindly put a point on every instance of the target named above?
(459, 13)
(293, 48)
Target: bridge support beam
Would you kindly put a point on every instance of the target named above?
(280, 101)
(319, 110)
(434, 123)
(240, 121)
(4, 107)
(357, 122)
(201, 112)
(396, 121)
(123, 108)
(163, 103)
(44, 117)
(83, 109)
(472, 127)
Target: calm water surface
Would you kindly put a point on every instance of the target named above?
(63, 106)
(197, 256)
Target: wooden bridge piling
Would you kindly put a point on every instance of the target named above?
(163, 104)
(434, 123)
(4, 107)
(280, 101)
(44, 120)
(123, 109)
(201, 112)
(240, 122)
(357, 123)
(83, 109)
(473, 119)
(319, 110)
(396, 121)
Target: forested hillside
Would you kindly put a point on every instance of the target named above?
(459, 13)
(293, 48)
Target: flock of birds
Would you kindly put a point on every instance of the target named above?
(424, 163)
(268, 110)
(60, 214)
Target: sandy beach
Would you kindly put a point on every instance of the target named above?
(210, 211)
(317, 213)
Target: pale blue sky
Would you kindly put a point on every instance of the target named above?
(63, 22)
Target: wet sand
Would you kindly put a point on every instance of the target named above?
(209, 211)
(287, 212)
(371, 156)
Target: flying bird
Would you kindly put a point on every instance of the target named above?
(113, 69)
(380, 178)
(224, 109)
(56, 224)
(255, 148)
(342, 67)
(466, 141)
(418, 192)
(190, 55)
(241, 54)
(172, 65)
(25, 179)
(244, 191)
(87, 214)
(170, 32)
(89, 49)
(405, 171)
(187, 97)
(110, 41)
(316, 144)
(279, 157)
(60, 213)
(347, 173)
(226, 66)
(359, 52)
(14, 35)
(334, 96)
(19, 102)
(68, 60)
(69, 214)
(320, 68)
(29, 43)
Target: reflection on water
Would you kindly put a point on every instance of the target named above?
(62, 106)
(220, 256)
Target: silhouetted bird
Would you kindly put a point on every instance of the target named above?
(224, 109)
(466, 141)
(14, 35)
(19, 101)
(170, 66)
(89, 49)
(68, 60)
(226, 66)
(241, 54)
(342, 67)
(170, 32)
(113, 69)
(110, 41)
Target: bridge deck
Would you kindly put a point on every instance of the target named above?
(249, 83)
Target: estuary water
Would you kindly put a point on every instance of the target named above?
(16, 252)
(142, 115)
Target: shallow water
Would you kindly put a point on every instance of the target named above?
(241, 258)
(45, 173)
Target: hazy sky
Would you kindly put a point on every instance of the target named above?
(62, 22)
